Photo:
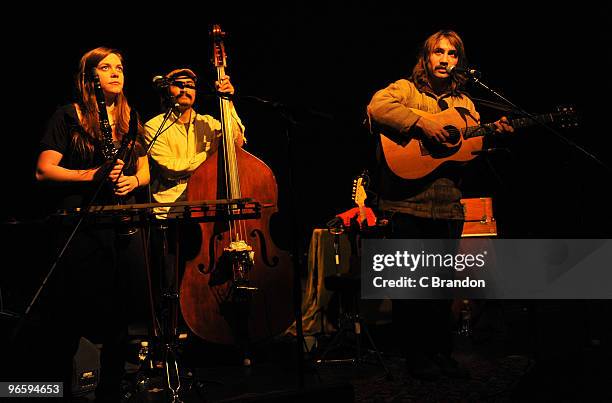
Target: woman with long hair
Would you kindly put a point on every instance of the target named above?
(72, 146)
(91, 291)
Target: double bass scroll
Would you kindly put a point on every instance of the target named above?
(238, 288)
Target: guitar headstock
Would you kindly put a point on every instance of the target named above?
(359, 189)
(566, 117)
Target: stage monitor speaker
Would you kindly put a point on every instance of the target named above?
(86, 368)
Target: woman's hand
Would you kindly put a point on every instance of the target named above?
(116, 171)
(126, 184)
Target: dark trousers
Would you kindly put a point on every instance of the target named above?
(424, 326)
(98, 289)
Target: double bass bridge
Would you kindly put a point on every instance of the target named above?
(242, 258)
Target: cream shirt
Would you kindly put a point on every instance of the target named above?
(180, 150)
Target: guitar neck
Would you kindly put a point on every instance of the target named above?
(489, 128)
(362, 214)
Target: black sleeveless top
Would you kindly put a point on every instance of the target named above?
(61, 128)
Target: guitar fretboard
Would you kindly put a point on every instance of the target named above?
(489, 128)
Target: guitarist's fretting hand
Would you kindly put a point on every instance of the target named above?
(503, 126)
(435, 132)
(432, 130)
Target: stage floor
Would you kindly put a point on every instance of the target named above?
(513, 355)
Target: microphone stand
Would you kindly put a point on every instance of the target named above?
(295, 251)
(167, 329)
(173, 107)
(335, 227)
(475, 79)
(282, 111)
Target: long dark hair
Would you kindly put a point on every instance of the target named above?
(421, 75)
(84, 140)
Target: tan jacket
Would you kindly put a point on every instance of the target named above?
(389, 113)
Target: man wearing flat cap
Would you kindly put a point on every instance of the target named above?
(187, 137)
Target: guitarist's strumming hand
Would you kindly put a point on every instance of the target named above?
(503, 126)
(432, 130)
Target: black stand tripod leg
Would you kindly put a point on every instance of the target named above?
(358, 327)
(172, 331)
(172, 374)
(166, 338)
(362, 326)
(334, 342)
(378, 355)
(309, 353)
(146, 236)
(242, 303)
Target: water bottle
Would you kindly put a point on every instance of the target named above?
(143, 353)
(143, 379)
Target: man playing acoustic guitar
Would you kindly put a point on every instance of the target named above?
(417, 187)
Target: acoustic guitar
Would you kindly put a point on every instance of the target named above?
(417, 157)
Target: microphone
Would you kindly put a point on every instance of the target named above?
(335, 227)
(463, 70)
(160, 82)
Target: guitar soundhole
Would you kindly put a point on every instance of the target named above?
(448, 148)
(454, 135)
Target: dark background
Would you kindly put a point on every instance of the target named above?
(321, 64)
(321, 67)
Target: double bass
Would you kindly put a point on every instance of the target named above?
(239, 285)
